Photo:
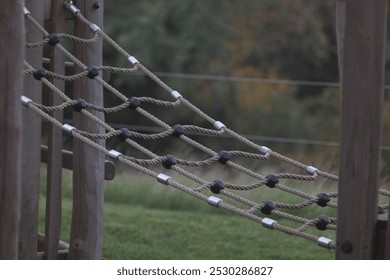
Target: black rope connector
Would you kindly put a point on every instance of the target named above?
(125, 133)
(224, 157)
(272, 180)
(178, 130)
(267, 207)
(169, 161)
(323, 199)
(92, 72)
(381, 210)
(346, 247)
(217, 186)
(80, 105)
(53, 39)
(134, 102)
(322, 223)
(39, 73)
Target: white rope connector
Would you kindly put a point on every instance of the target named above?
(214, 201)
(68, 128)
(265, 150)
(311, 170)
(114, 154)
(324, 242)
(26, 11)
(163, 179)
(268, 223)
(219, 126)
(175, 94)
(133, 60)
(94, 28)
(69, 5)
(25, 100)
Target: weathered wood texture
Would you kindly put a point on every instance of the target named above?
(54, 166)
(31, 143)
(48, 8)
(88, 164)
(361, 127)
(11, 86)
(67, 163)
(386, 254)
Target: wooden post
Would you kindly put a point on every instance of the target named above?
(88, 164)
(11, 86)
(361, 127)
(31, 145)
(54, 166)
(387, 238)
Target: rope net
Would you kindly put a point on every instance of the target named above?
(179, 173)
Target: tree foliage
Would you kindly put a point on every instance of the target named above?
(268, 39)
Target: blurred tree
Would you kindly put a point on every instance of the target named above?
(261, 39)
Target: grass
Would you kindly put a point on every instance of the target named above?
(145, 220)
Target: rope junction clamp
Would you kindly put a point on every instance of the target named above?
(265, 150)
(94, 28)
(268, 223)
(125, 134)
(53, 39)
(324, 242)
(39, 73)
(224, 157)
(114, 154)
(25, 100)
(217, 186)
(80, 105)
(169, 162)
(69, 5)
(323, 199)
(268, 207)
(68, 128)
(178, 130)
(176, 95)
(133, 60)
(26, 11)
(311, 170)
(163, 179)
(214, 201)
(219, 126)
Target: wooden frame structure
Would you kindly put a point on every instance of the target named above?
(89, 167)
(361, 29)
(361, 32)
(11, 65)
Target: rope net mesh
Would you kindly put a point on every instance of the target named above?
(181, 173)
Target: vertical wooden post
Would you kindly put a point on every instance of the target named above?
(387, 238)
(54, 166)
(340, 34)
(361, 127)
(31, 162)
(11, 86)
(88, 173)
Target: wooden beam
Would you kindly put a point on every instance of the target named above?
(11, 86)
(88, 164)
(31, 144)
(69, 69)
(54, 165)
(386, 254)
(361, 127)
(67, 163)
(48, 7)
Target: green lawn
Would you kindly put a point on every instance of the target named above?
(144, 220)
